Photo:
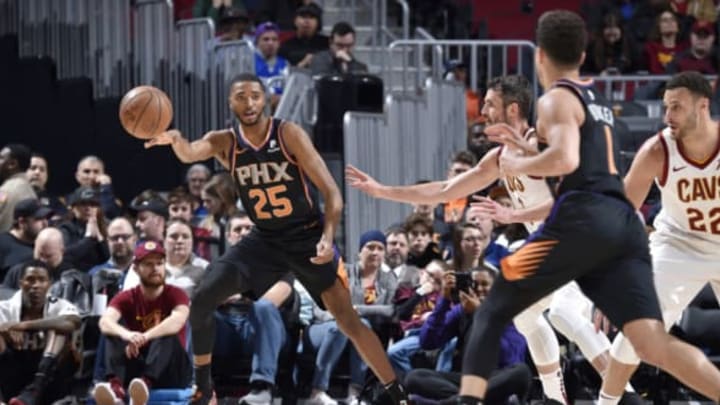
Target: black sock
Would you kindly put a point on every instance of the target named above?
(397, 393)
(45, 370)
(468, 400)
(203, 378)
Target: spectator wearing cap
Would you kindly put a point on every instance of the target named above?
(151, 212)
(308, 40)
(701, 56)
(37, 175)
(371, 289)
(144, 328)
(339, 58)
(268, 65)
(215, 8)
(234, 25)
(16, 245)
(91, 173)
(49, 249)
(84, 231)
(14, 186)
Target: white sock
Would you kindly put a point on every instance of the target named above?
(554, 386)
(606, 399)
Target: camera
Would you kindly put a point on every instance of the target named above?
(463, 282)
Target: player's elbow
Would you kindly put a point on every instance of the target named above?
(567, 163)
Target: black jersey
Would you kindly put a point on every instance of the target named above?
(597, 171)
(275, 192)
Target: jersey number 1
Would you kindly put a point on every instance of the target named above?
(279, 206)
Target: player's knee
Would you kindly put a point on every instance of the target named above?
(564, 320)
(528, 322)
(622, 351)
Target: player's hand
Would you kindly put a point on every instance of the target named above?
(601, 322)
(508, 136)
(469, 301)
(362, 181)
(164, 138)
(324, 252)
(488, 208)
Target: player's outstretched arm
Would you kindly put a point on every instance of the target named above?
(648, 164)
(560, 116)
(463, 185)
(308, 159)
(212, 144)
(489, 208)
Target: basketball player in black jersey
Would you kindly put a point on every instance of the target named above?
(277, 170)
(592, 233)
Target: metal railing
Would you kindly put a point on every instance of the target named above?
(110, 46)
(153, 58)
(9, 20)
(637, 86)
(57, 29)
(194, 39)
(427, 128)
(485, 58)
(229, 59)
(298, 102)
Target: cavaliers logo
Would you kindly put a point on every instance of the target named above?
(150, 245)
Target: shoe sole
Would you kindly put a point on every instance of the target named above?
(138, 392)
(104, 396)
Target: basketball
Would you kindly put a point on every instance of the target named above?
(145, 111)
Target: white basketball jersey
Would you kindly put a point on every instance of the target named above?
(526, 191)
(690, 196)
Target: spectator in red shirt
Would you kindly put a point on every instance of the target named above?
(700, 57)
(664, 43)
(149, 349)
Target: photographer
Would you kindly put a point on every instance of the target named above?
(451, 320)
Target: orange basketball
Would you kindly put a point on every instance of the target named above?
(145, 111)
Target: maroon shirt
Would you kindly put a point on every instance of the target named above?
(658, 55)
(141, 314)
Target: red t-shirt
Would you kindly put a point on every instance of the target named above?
(139, 314)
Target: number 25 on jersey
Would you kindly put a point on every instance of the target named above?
(269, 203)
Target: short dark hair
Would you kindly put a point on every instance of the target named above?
(696, 83)
(562, 36)
(21, 153)
(179, 195)
(247, 77)
(396, 230)
(33, 263)
(513, 89)
(465, 157)
(342, 28)
(416, 219)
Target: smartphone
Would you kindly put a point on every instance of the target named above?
(463, 282)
